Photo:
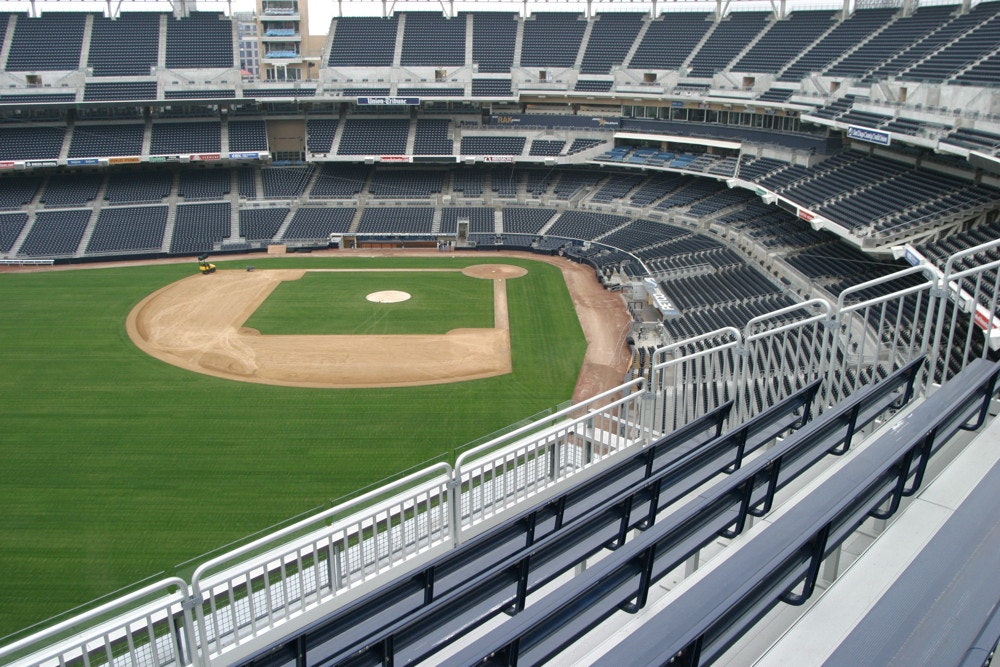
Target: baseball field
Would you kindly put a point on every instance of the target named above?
(137, 437)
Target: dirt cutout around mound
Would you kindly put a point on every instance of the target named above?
(195, 324)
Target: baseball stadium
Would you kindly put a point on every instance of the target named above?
(499, 333)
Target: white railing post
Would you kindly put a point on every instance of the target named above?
(455, 508)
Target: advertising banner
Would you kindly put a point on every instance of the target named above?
(388, 101)
(869, 136)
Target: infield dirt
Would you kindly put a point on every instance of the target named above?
(191, 324)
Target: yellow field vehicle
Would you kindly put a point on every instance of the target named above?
(204, 266)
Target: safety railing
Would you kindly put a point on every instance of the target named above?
(322, 559)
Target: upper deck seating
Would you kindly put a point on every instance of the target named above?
(125, 46)
(493, 37)
(611, 38)
(52, 41)
(899, 35)
(837, 42)
(984, 73)
(730, 36)
(5, 19)
(430, 38)
(785, 40)
(669, 40)
(200, 40)
(552, 39)
(949, 29)
(966, 50)
(363, 41)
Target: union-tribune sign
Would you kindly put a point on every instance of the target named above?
(388, 101)
(870, 136)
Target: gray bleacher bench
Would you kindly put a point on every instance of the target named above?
(713, 613)
(622, 581)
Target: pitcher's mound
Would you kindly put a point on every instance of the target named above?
(388, 296)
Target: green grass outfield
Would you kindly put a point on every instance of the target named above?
(117, 466)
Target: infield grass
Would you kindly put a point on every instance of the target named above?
(117, 466)
(331, 303)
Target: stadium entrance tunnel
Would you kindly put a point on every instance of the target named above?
(197, 324)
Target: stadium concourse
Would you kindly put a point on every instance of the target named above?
(799, 207)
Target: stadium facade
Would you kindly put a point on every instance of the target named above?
(800, 208)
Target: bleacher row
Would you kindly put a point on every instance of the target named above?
(190, 211)
(128, 45)
(128, 139)
(844, 110)
(933, 44)
(359, 137)
(874, 196)
(523, 137)
(890, 42)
